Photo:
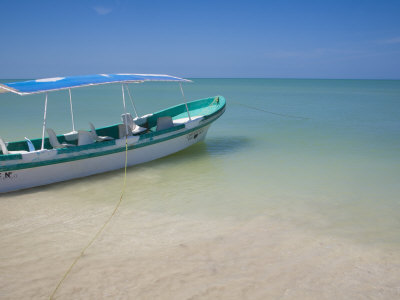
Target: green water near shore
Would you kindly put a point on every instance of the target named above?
(326, 168)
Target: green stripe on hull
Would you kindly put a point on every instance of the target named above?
(112, 151)
(10, 157)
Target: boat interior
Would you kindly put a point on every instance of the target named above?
(147, 126)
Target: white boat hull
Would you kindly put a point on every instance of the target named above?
(57, 172)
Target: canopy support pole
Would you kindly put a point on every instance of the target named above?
(72, 111)
(123, 101)
(44, 121)
(184, 99)
(133, 104)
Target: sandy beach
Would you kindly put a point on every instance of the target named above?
(149, 255)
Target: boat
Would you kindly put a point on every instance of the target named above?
(130, 141)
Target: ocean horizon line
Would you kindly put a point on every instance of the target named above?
(202, 77)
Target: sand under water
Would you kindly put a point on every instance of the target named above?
(266, 208)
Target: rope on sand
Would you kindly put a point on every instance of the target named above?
(100, 230)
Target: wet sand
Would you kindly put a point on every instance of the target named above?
(151, 255)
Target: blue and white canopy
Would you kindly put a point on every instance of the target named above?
(62, 83)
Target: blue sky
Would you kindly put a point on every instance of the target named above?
(273, 39)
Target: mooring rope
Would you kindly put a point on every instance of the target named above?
(101, 229)
(269, 112)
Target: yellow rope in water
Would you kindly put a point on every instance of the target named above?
(100, 230)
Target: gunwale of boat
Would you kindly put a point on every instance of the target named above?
(203, 110)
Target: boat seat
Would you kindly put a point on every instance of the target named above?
(5, 150)
(122, 131)
(71, 136)
(85, 138)
(31, 147)
(142, 120)
(185, 120)
(138, 130)
(54, 141)
(96, 137)
(133, 128)
(164, 123)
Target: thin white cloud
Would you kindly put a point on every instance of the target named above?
(102, 10)
(394, 40)
(312, 53)
(284, 54)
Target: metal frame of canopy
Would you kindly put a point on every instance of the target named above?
(62, 83)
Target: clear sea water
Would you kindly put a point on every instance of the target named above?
(293, 194)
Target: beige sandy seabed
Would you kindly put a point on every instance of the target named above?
(151, 255)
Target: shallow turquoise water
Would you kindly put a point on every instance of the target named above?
(324, 153)
(332, 146)
(295, 197)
